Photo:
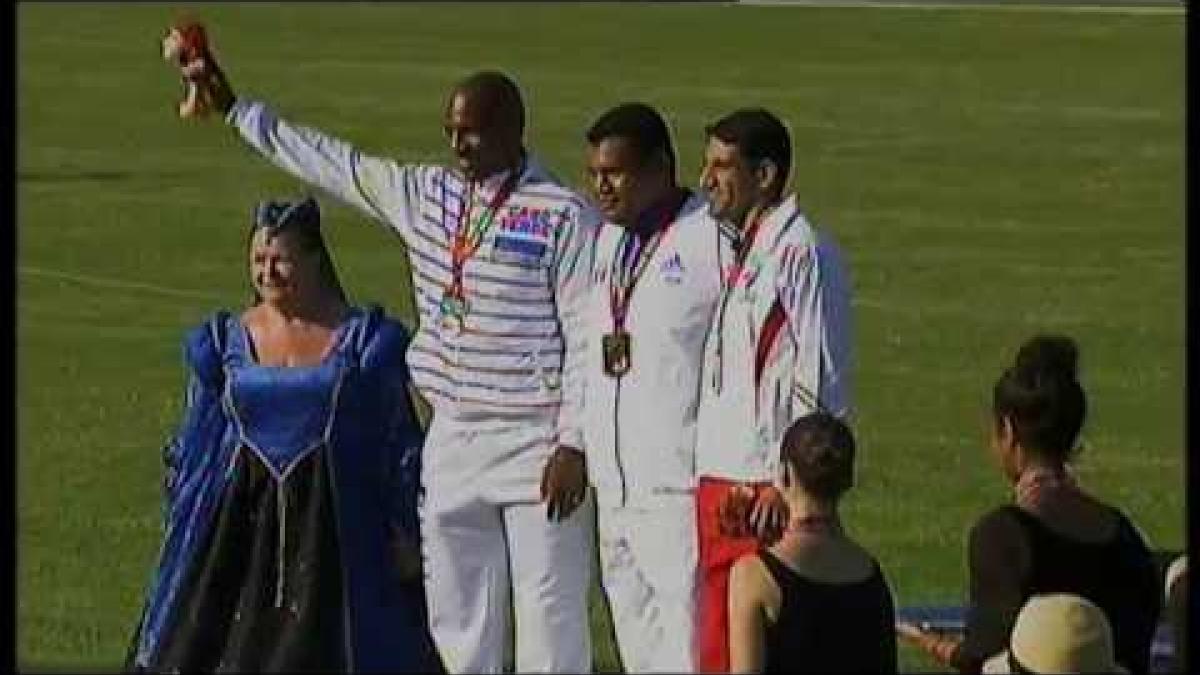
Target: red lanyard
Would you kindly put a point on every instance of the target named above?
(729, 279)
(633, 259)
(743, 251)
(467, 239)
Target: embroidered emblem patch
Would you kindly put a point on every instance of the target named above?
(523, 231)
(522, 221)
(530, 247)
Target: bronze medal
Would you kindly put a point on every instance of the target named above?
(452, 310)
(615, 347)
(629, 262)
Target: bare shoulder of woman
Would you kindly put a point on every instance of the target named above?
(252, 315)
(750, 583)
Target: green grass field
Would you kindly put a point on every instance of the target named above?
(988, 173)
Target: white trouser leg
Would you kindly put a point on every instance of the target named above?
(466, 557)
(467, 583)
(551, 571)
(648, 559)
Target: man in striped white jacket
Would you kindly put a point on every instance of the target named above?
(500, 251)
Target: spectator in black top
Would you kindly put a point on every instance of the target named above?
(1054, 537)
(814, 601)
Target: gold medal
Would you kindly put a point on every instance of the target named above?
(616, 352)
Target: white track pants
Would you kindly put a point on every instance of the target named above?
(487, 543)
(649, 569)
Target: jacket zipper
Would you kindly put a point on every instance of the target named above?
(617, 437)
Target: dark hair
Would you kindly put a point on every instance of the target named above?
(303, 220)
(819, 448)
(499, 94)
(639, 124)
(759, 135)
(1041, 396)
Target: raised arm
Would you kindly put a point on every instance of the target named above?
(385, 190)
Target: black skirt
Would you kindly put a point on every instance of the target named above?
(265, 594)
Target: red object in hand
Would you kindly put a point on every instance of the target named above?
(184, 43)
(186, 46)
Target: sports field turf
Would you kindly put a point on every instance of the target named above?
(988, 173)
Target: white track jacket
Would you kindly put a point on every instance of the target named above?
(640, 430)
(741, 422)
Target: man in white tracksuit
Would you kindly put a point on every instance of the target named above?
(779, 349)
(655, 284)
(500, 253)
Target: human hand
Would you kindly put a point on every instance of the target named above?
(943, 648)
(185, 44)
(213, 84)
(564, 482)
(733, 512)
(909, 631)
(205, 86)
(769, 515)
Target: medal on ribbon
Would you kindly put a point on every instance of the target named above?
(631, 261)
(616, 353)
(452, 310)
(734, 277)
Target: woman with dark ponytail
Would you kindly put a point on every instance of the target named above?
(1054, 537)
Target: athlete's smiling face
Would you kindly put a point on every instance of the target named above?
(730, 181)
(622, 182)
(480, 141)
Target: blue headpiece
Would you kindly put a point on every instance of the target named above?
(275, 216)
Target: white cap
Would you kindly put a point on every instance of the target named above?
(1059, 633)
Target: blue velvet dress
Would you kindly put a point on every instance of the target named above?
(288, 492)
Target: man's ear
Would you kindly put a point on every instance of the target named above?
(1006, 432)
(765, 175)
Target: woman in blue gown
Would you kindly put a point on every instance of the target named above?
(291, 539)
